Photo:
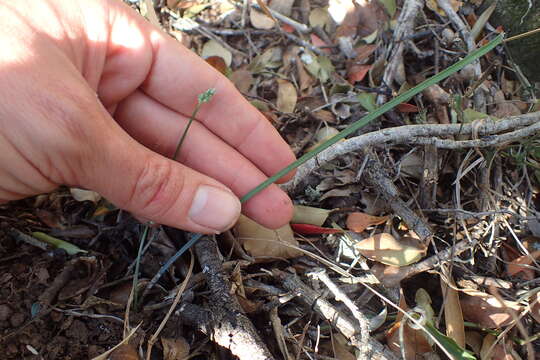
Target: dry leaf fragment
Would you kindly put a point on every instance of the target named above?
(358, 222)
(125, 352)
(217, 63)
(175, 349)
(384, 248)
(357, 73)
(242, 79)
(85, 195)
(486, 310)
(213, 48)
(263, 242)
(286, 97)
(319, 17)
(309, 215)
(453, 315)
(341, 350)
(518, 266)
(260, 20)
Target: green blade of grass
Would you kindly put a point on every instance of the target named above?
(378, 112)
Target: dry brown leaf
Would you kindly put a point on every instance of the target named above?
(286, 97)
(284, 7)
(242, 79)
(433, 6)
(175, 349)
(535, 306)
(358, 222)
(260, 20)
(213, 48)
(125, 352)
(319, 17)
(453, 315)
(341, 350)
(357, 73)
(309, 215)
(498, 353)
(384, 248)
(415, 342)
(217, 63)
(263, 242)
(474, 340)
(485, 310)
(518, 266)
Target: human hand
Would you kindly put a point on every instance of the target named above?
(92, 95)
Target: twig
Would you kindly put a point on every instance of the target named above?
(377, 176)
(404, 30)
(425, 265)
(411, 134)
(322, 276)
(342, 322)
(230, 327)
(461, 27)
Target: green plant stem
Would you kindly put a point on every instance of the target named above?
(377, 113)
(184, 134)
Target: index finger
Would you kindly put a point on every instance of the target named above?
(175, 79)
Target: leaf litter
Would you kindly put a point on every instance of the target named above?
(313, 84)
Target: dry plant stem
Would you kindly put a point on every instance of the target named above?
(339, 295)
(377, 175)
(430, 177)
(154, 337)
(461, 27)
(424, 134)
(342, 322)
(230, 327)
(404, 30)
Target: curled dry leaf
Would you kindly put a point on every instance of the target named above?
(85, 195)
(384, 248)
(453, 315)
(259, 241)
(520, 266)
(286, 97)
(308, 229)
(486, 310)
(175, 349)
(309, 215)
(358, 222)
(213, 48)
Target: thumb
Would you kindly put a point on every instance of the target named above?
(154, 187)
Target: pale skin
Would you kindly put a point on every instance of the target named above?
(94, 96)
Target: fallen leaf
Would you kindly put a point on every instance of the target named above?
(85, 195)
(318, 42)
(358, 222)
(367, 100)
(342, 350)
(519, 266)
(308, 229)
(242, 79)
(175, 349)
(453, 316)
(125, 352)
(260, 20)
(213, 48)
(485, 310)
(384, 248)
(58, 243)
(433, 6)
(319, 17)
(497, 353)
(309, 215)
(357, 73)
(217, 63)
(286, 96)
(259, 241)
(407, 108)
(284, 7)
(535, 306)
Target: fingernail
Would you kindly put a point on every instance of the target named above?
(214, 208)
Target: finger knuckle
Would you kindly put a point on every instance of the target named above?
(155, 189)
